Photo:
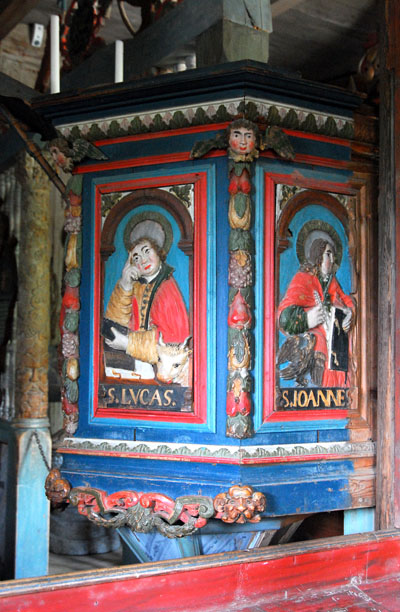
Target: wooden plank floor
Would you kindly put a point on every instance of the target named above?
(63, 564)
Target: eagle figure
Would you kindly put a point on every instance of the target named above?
(298, 352)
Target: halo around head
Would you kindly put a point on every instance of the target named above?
(317, 229)
(149, 224)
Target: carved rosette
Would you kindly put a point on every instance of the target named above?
(57, 488)
(70, 306)
(241, 504)
(143, 512)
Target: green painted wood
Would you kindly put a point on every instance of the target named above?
(230, 42)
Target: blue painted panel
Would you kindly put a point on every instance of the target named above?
(328, 425)
(308, 497)
(358, 520)
(289, 488)
(329, 150)
(32, 536)
(334, 435)
(86, 325)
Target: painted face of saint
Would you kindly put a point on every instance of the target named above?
(242, 140)
(328, 258)
(145, 259)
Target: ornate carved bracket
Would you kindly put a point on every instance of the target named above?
(143, 512)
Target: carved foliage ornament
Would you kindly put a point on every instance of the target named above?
(143, 512)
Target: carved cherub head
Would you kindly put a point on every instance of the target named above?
(61, 152)
(243, 139)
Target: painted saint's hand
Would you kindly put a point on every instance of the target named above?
(120, 341)
(348, 319)
(129, 275)
(315, 316)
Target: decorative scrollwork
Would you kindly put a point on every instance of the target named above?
(143, 512)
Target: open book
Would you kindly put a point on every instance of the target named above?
(337, 340)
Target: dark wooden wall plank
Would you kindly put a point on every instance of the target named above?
(389, 257)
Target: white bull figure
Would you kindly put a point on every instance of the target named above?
(174, 363)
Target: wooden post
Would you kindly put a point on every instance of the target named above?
(33, 331)
(241, 33)
(388, 417)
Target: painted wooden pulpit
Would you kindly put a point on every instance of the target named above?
(218, 307)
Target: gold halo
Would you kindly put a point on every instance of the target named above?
(149, 224)
(317, 229)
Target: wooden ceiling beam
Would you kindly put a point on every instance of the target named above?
(173, 31)
(12, 12)
(281, 6)
(15, 89)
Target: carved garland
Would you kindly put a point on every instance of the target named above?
(70, 306)
(243, 140)
(143, 512)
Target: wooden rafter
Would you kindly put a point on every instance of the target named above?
(173, 31)
(16, 89)
(281, 6)
(12, 12)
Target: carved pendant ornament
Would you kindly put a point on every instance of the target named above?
(144, 512)
(243, 141)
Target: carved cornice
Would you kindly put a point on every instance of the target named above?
(268, 111)
(216, 453)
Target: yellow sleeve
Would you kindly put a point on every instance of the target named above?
(119, 307)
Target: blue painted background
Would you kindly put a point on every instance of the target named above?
(289, 262)
(175, 257)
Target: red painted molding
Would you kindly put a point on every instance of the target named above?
(213, 460)
(270, 182)
(166, 134)
(199, 416)
(267, 579)
(212, 127)
(170, 158)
